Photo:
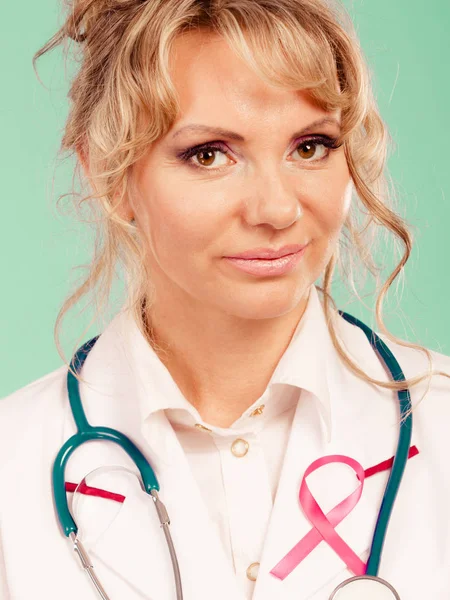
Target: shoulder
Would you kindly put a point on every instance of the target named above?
(414, 361)
(432, 392)
(430, 398)
(32, 414)
(431, 403)
(34, 395)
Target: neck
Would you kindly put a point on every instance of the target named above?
(221, 365)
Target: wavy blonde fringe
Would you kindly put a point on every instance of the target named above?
(122, 100)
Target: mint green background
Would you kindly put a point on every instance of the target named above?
(407, 45)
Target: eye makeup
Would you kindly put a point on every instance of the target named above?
(186, 154)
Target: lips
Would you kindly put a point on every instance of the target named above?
(268, 267)
(268, 253)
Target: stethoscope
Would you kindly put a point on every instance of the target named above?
(368, 586)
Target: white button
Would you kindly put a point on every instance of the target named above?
(239, 448)
(252, 571)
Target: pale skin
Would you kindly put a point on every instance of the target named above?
(226, 329)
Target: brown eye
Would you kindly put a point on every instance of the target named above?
(207, 157)
(308, 149)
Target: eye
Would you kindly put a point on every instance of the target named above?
(205, 155)
(308, 148)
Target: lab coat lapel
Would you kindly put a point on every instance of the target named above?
(124, 554)
(131, 557)
(132, 554)
(374, 441)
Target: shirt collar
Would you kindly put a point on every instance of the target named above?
(303, 365)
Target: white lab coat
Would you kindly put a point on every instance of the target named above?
(35, 558)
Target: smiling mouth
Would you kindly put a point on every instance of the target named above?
(268, 266)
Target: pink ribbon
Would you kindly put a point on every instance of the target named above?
(323, 525)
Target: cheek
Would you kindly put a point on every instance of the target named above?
(332, 213)
(181, 227)
(329, 216)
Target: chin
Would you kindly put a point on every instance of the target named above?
(265, 306)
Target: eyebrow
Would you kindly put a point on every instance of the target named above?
(196, 127)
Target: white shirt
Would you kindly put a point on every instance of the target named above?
(239, 489)
(126, 387)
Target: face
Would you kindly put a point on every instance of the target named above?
(266, 188)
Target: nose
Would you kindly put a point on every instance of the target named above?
(274, 201)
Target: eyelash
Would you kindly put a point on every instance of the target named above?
(322, 140)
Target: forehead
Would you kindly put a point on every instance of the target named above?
(215, 85)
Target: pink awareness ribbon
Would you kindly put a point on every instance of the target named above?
(323, 525)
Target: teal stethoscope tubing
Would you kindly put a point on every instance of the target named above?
(87, 432)
(402, 451)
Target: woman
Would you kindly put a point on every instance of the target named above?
(209, 130)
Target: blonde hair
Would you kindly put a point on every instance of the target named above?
(122, 100)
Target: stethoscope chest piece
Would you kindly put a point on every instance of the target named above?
(364, 587)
